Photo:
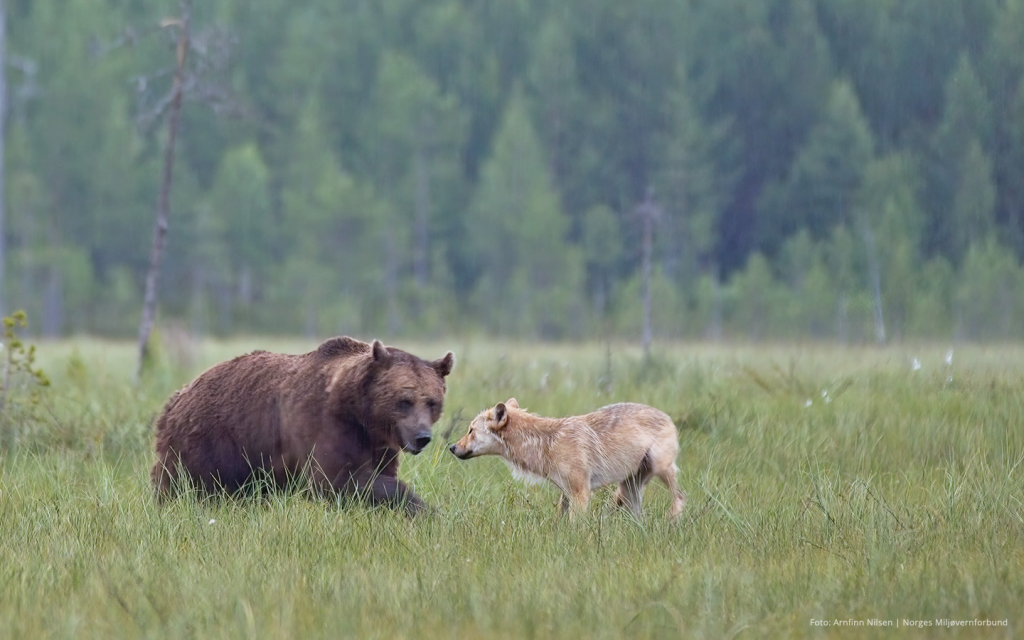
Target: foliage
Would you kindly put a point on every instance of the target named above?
(21, 380)
(988, 297)
(378, 148)
(819, 192)
(528, 279)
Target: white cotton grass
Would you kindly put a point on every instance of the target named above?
(809, 402)
(915, 364)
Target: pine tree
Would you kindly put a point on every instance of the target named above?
(529, 280)
(966, 124)
(821, 189)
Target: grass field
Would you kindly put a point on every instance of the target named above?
(824, 483)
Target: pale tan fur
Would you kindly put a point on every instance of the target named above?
(623, 443)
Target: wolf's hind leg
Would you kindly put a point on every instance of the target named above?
(667, 474)
(630, 494)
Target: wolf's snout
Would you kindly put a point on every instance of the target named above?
(451, 448)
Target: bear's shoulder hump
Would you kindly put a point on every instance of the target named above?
(342, 346)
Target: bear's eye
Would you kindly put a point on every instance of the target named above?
(404, 405)
(431, 404)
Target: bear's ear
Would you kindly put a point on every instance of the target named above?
(444, 366)
(512, 402)
(381, 355)
(500, 416)
(341, 346)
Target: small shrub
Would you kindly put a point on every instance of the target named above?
(21, 382)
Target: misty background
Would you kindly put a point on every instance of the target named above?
(847, 170)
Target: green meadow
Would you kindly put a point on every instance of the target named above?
(825, 483)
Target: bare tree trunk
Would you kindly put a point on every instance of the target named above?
(649, 213)
(421, 252)
(598, 293)
(391, 283)
(647, 249)
(310, 322)
(3, 138)
(223, 295)
(841, 313)
(163, 201)
(198, 315)
(715, 331)
(876, 285)
(53, 303)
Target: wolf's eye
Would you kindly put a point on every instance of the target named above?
(405, 406)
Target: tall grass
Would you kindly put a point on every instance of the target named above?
(824, 483)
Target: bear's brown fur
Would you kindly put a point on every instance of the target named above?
(336, 417)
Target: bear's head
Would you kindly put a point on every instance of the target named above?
(404, 396)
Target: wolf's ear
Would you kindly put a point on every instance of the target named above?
(512, 402)
(444, 366)
(381, 355)
(500, 416)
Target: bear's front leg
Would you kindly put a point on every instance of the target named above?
(377, 483)
(389, 490)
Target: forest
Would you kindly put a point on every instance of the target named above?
(848, 170)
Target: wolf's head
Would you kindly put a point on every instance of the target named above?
(485, 432)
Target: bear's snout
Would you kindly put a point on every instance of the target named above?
(418, 442)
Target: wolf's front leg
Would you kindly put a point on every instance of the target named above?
(575, 500)
(563, 504)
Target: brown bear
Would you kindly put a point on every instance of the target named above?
(336, 417)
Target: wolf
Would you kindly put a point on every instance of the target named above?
(624, 443)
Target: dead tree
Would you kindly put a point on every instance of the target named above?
(163, 200)
(8, 100)
(875, 273)
(200, 57)
(648, 213)
(421, 246)
(13, 101)
(3, 134)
